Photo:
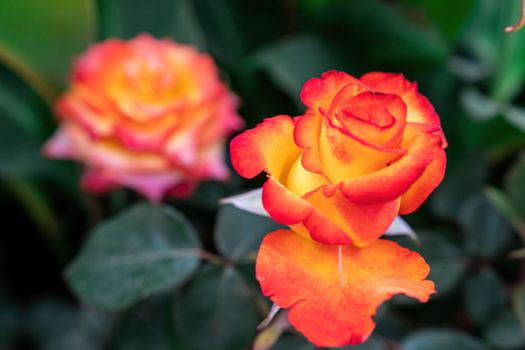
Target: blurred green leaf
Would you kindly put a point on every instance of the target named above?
(38, 40)
(379, 34)
(515, 116)
(439, 339)
(221, 28)
(479, 106)
(486, 230)
(173, 18)
(445, 260)
(292, 61)
(518, 303)
(449, 17)
(292, 342)
(484, 296)
(485, 35)
(145, 326)
(505, 332)
(238, 233)
(71, 327)
(145, 250)
(20, 105)
(19, 153)
(515, 184)
(462, 179)
(501, 201)
(216, 311)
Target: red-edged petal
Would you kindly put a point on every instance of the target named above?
(375, 117)
(419, 108)
(332, 300)
(425, 185)
(423, 147)
(306, 135)
(290, 209)
(364, 223)
(344, 156)
(267, 147)
(318, 93)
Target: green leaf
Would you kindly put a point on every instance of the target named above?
(381, 34)
(503, 203)
(486, 230)
(503, 52)
(145, 326)
(173, 18)
(146, 250)
(238, 233)
(38, 40)
(463, 178)
(292, 342)
(292, 61)
(515, 184)
(484, 295)
(448, 17)
(478, 105)
(444, 258)
(505, 332)
(216, 311)
(70, 327)
(518, 303)
(439, 339)
(19, 154)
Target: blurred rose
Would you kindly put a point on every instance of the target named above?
(147, 114)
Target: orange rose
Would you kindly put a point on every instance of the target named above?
(365, 151)
(147, 114)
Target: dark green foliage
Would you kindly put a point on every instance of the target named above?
(84, 273)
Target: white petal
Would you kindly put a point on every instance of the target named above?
(250, 201)
(400, 228)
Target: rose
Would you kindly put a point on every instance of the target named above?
(147, 114)
(365, 151)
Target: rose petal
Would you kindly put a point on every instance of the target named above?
(250, 201)
(333, 292)
(419, 108)
(344, 156)
(267, 147)
(425, 185)
(364, 223)
(289, 209)
(388, 183)
(317, 93)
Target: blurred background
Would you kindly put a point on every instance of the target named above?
(472, 229)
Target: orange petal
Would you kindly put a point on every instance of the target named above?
(318, 93)
(426, 184)
(364, 223)
(306, 135)
(419, 108)
(332, 300)
(344, 156)
(423, 146)
(267, 147)
(375, 117)
(289, 209)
